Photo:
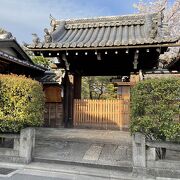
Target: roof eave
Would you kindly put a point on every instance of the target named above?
(108, 47)
(17, 61)
(24, 55)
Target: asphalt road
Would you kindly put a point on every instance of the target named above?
(31, 177)
(62, 177)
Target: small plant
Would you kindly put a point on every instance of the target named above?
(155, 109)
(21, 103)
(40, 60)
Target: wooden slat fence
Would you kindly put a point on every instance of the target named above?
(101, 114)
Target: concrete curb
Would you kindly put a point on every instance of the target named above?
(86, 164)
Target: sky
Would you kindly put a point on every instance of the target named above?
(24, 17)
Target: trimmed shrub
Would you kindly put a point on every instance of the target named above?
(21, 103)
(155, 109)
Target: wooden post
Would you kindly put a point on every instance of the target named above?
(68, 101)
(77, 87)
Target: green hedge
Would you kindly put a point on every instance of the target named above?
(155, 109)
(21, 103)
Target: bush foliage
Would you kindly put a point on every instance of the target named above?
(41, 61)
(155, 109)
(21, 103)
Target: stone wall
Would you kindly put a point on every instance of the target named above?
(23, 145)
(145, 160)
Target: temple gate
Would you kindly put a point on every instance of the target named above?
(105, 46)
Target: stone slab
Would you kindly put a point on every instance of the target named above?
(27, 143)
(84, 135)
(8, 152)
(93, 153)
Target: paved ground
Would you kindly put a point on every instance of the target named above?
(44, 171)
(96, 156)
(84, 135)
(96, 147)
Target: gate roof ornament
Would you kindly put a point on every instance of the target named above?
(5, 34)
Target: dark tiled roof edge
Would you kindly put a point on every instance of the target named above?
(18, 61)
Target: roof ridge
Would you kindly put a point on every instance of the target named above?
(130, 17)
(106, 17)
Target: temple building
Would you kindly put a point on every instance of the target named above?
(14, 60)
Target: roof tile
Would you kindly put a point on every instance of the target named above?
(108, 31)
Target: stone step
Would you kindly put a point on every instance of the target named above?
(123, 166)
(8, 152)
(80, 140)
(83, 135)
(81, 172)
(70, 151)
(93, 153)
(12, 159)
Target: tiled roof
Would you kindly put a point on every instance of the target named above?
(19, 61)
(105, 32)
(51, 77)
(22, 58)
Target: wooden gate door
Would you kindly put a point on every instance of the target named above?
(53, 116)
(101, 114)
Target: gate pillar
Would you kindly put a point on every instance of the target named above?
(68, 101)
(77, 86)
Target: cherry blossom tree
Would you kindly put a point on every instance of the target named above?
(171, 18)
(171, 12)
